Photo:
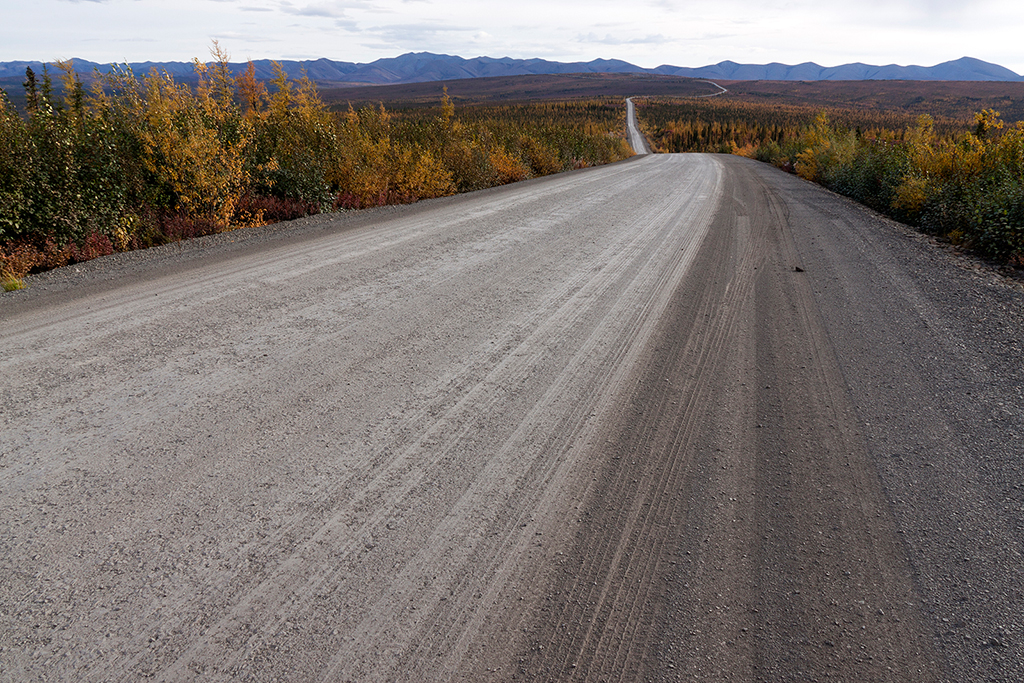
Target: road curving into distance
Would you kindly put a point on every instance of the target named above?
(634, 137)
(684, 417)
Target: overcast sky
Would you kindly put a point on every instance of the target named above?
(645, 32)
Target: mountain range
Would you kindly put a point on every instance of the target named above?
(418, 67)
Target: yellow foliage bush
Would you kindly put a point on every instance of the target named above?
(424, 177)
(541, 159)
(373, 169)
(507, 169)
(911, 195)
(824, 148)
(197, 143)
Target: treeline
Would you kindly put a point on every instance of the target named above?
(544, 137)
(134, 161)
(726, 126)
(964, 183)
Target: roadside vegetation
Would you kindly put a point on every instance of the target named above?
(133, 162)
(963, 181)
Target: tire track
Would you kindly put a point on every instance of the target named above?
(631, 546)
(324, 457)
(691, 573)
(440, 437)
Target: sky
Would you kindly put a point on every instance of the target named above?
(647, 33)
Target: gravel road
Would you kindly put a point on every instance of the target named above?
(684, 417)
(633, 135)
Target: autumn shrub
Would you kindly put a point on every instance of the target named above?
(18, 259)
(177, 227)
(375, 168)
(93, 246)
(134, 163)
(965, 183)
(492, 144)
(542, 159)
(507, 167)
(966, 187)
(252, 210)
(195, 143)
(296, 139)
(139, 161)
(21, 257)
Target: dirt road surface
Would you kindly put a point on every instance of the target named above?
(634, 137)
(680, 418)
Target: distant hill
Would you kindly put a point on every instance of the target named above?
(963, 69)
(420, 67)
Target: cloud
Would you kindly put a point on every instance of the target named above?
(417, 33)
(330, 9)
(312, 10)
(396, 39)
(246, 37)
(612, 40)
(119, 40)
